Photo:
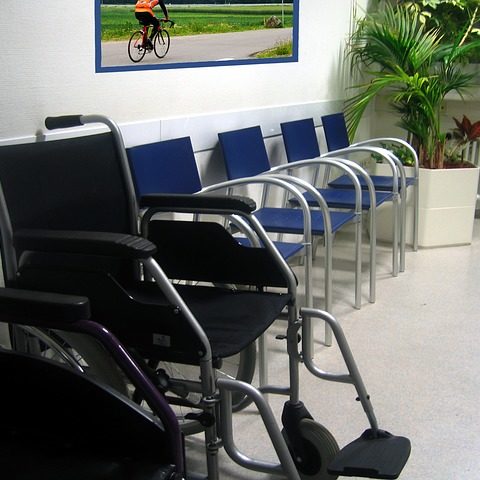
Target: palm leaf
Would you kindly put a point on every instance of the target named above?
(407, 62)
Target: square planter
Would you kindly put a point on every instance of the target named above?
(446, 207)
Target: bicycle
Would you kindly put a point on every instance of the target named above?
(139, 44)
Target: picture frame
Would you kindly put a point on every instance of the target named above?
(248, 46)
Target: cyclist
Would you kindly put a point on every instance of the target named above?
(145, 15)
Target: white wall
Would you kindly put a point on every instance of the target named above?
(48, 68)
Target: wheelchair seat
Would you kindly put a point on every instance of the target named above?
(141, 315)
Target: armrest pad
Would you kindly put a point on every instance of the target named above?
(90, 243)
(198, 203)
(30, 307)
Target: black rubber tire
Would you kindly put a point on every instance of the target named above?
(135, 50)
(321, 448)
(161, 43)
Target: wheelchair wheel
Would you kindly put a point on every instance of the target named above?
(320, 446)
(161, 43)
(135, 49)
(78, 351)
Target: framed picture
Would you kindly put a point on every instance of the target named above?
(199, 33)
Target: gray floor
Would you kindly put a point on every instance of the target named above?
(417, 349)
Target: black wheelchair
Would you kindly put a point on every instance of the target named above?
(185, 293)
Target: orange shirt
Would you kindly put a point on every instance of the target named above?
(145, 6)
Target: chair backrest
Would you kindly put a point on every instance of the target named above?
(168, 166)
(300, 139)
(77, 183)
(336, 134)
(244, 152)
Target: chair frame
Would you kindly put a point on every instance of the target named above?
(305, 186)
(397, 246)
(402, 193)
(301, 143)
(352, 167)
(291, 185)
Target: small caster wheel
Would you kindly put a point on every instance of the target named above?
(320, 447)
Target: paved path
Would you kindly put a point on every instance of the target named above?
(201, 48)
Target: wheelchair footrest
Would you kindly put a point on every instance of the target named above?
(375, 456)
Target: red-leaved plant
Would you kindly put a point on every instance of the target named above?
(462, 135)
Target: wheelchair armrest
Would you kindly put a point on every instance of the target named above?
(83, 242)
(29, 307)
(198, 203)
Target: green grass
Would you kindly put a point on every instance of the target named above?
(281, 49)
(118, 22)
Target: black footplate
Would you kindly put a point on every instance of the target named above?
(375, 456)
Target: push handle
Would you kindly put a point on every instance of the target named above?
(64, 121)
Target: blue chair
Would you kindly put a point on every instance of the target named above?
(338, 142)
(169, 166)
(301, 144)
(245, 156)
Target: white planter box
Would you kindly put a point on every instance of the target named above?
(446, 207)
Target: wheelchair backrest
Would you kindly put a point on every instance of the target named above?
(69, 184)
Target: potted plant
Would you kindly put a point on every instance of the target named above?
(408, 64)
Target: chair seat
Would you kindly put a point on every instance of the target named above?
(290, 220)
(232, 319)
(381, 182)
(141, 316)
(287, 249)
(344, 198)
